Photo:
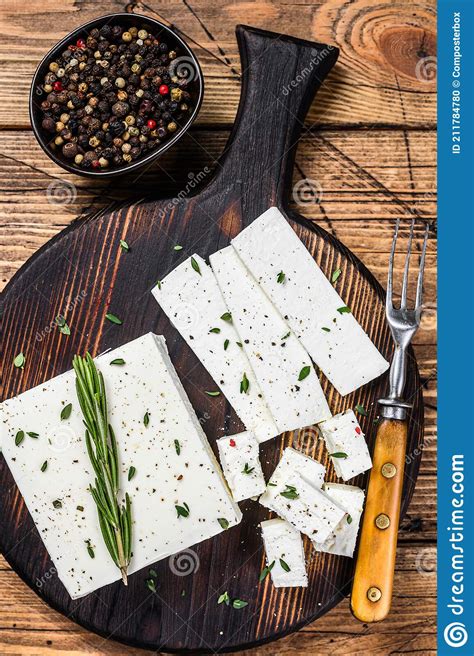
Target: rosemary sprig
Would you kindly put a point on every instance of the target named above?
(115, 519)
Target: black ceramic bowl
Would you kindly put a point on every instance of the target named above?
(37, 95)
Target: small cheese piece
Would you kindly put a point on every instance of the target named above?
(241, 465)
(173, 461)
(284, 548)
(314, 310)
(346, 444)
(282, 367)
(290, 462)
(343, 540)
(306, 507)
(194, 304)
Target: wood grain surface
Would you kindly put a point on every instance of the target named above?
(369, 169)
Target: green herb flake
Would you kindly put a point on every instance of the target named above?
(62, 325)
(19, 361)
(335, 275)
(131, 472)
(361, 410)
(265, 572)
(239, 603)
(215, 330)
(281, 277)
(178, 247)
(195, 266)
(304, 373)
(226, 344)
(349, 519)
(113, 319)
(90, 548)
(344, 310)
(80, 508)
(224, 598)
(326, 330)
(223, 522)
(212, 393)
(150, 584)
(124, 246)
(227, 317)
(339, 454)
(240, 344)
(290, 493)
(183, 593)
(19, 437)
(153, 573)
(244, 384)
(247, 469)
(57, 504)
(177, 447)
(183, 511)
(32, 434)
(158, 284)
(286, 335)
(284, 565)
(44, 466)
(66, 411)
(146, 419)
(118, 361)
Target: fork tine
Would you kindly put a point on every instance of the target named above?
(419, 286)
(403, 303)
(389, 299)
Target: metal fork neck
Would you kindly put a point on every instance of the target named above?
(394, 407)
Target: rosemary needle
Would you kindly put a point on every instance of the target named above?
(115, 519)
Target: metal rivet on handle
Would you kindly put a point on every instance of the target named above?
(389, 470)
(382, 521)
(374, 594)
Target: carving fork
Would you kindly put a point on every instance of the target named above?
(373, 580)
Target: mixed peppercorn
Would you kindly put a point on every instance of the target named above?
(113, 97)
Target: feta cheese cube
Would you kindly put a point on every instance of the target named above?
(342, 540)
(58, 498)
(241, 465)
(284, 548)
(194, 304)
(281, 365)
(345, 439)
(333, 338)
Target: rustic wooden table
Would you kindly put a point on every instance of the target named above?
(366, 158)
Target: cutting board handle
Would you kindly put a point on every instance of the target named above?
(280, 76)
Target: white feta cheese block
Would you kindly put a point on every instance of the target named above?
(275, 354)
(306, 508)
(146, 383)
(293, 492)
(194, 304)
(342, 540)
(241, 465)
(284, 544)
(335, 341)
(345, 439)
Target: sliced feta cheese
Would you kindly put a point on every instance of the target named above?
(290, 462)
(241, 465)
(306, 507)
(284, 548)
(314, 310)
(342, 540)
(173, 461)
(282, 367)
(194, 304)
(346, 444)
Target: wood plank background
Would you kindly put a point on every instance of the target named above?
(367, 158)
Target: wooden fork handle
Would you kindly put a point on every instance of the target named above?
(373, 580)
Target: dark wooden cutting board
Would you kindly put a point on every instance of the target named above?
(82, 274)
